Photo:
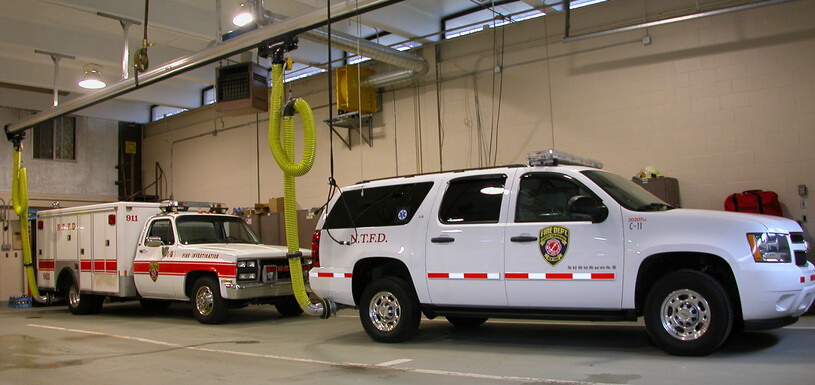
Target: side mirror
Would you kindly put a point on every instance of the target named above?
(154, 242)
(588, 208)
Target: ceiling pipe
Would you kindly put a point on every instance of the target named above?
(411, 66)
(266, 35)
(674, 19)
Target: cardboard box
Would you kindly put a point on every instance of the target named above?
(665, 188)
(276, 205)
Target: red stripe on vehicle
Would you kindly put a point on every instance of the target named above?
(438, 275)
(602, 275)
(224, 269)
(475, 275)
(516, 275)
(558, 275)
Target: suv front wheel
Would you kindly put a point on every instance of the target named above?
(389, 310)
(688, 313)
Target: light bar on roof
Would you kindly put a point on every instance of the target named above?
(555, 157)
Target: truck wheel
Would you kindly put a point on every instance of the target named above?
(688, 313)
(289, 307)
(389, 310)
(207, 304)
(466, 322)
(78, 303)
(97, 301)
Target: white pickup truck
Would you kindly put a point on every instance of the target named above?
(555, 241)
(159, 253)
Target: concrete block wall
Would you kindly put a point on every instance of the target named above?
(723, 104)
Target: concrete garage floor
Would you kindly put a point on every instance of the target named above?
(126, 345)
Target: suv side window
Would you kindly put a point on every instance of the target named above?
(473, 200)
(377, 206)
(163, 229)
(543, 197)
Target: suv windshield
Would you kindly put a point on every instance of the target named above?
(627, 193)
(193, 229)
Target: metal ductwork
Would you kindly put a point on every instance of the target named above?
(412, 66)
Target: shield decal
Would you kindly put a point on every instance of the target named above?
(154, 271)
(554, 241)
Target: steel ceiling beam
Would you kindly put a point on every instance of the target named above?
(266, 35)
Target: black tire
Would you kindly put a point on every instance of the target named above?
(289, 307)
(389, 310)
(154, 304)
(97, 301)
(78, 303)
(207, 304)
(466, 322)
(688, 313)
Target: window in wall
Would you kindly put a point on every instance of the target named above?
(504, 12)
(161, 112)
(208, 96)
(392, 40)
(55, 139)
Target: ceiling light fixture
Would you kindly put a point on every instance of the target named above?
(92, 78)
(244, 16)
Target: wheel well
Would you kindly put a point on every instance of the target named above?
(656, 266)
(192, 277)
(371, 269)
(64, 279)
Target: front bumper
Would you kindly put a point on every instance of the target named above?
(250, 290)
(774, 295)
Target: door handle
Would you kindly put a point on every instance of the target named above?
(523, 238)
(142, 251)
(442, 240)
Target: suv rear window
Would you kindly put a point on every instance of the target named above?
(473, 200)
(377, 206)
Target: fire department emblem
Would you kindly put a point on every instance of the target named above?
(554, 240)
(154, 271)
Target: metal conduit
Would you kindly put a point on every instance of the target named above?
(673, 19)
(265, 35)
(411, 65)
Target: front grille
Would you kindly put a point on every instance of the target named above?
(279, 268)
(801, 258)
(797, 237)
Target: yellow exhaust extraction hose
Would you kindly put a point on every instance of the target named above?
(19, 197)
(284, 154)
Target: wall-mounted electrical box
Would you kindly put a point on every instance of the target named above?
(351, 96)
(242, 89)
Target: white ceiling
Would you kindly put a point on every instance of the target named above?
(178, 28)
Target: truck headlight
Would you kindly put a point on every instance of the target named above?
(248, 264)
(769, 247)
(247, 276)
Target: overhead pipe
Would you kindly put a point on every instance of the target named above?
(265, 35)
(673, 19)
(412, 66)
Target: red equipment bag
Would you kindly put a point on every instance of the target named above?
(754, 201)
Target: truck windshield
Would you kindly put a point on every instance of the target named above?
(195, 229)
(627, 193)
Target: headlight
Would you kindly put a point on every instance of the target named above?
(251, 264)
(241, 264)
(769, 247)
(245, 276)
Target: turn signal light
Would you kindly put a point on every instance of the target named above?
(112, 219)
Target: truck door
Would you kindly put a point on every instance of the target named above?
(151, 273)
(105, 275)
(555, 260)
(464, 252)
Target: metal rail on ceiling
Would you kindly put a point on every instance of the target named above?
(266, 35)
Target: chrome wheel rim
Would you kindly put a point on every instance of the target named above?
(73, 296)
(384, 311)
(204, 300)
(685, 315)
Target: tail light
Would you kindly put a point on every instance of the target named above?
(40, 225)
(315, 249)
(111, 219)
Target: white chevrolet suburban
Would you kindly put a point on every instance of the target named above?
(556, 239)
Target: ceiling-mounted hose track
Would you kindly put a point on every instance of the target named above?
(283, 153)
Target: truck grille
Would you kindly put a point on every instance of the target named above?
(278, 269)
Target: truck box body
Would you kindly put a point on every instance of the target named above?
(98, 242)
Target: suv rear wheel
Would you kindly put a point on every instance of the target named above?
(389, 310)
(688, 313)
